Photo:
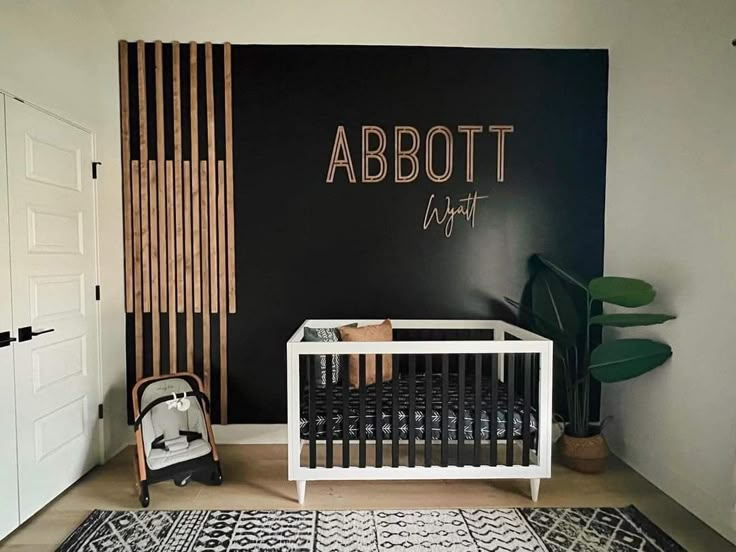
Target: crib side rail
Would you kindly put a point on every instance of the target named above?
(524, 361)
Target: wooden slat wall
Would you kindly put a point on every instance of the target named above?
(179, 213)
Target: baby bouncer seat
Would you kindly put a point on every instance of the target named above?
(173, 433)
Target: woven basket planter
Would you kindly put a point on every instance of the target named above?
(584, 454)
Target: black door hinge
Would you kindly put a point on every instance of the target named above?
(94, 169)
(97, 293)
(100, 411)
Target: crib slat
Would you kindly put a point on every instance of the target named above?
(312, 413)
(361, 411)
(526, 433)
(445, 413)
(460, 408)
(379, 411)
(493, 411)
(395, 412)
(345, 412)
(476, 413)
(510, 395)
(428, 411)
(411, 415)
(328, 409)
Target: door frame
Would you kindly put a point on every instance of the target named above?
(9, 96)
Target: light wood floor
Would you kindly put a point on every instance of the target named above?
(255, 478)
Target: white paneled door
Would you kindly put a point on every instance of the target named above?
(53, 276)
(8, 461)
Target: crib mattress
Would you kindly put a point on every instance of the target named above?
(468, 416)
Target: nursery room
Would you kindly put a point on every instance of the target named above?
(329, 276)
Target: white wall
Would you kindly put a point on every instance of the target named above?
(671, 169)
(62, 56)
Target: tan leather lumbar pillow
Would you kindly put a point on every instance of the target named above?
(376, 332)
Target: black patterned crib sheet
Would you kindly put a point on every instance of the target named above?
(322, 418)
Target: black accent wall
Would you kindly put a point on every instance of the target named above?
(311, 249)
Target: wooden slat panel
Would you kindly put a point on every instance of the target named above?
(476, 414)
(138, 296)
(329, 453)
(155, 319)
(125, 139)
(188, 306)
(143, 141)
(493, 411)
(194, 134)
(222, 291)
(526, 420)
(397, 359)
(176, 79)
(206, 334)
(229, 176)
(171, 266)
(161, 172)
(212, 174)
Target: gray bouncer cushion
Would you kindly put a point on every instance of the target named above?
(169, 422)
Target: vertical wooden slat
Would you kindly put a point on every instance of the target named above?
(194, 135)
(444, 429)
(229, 176)
(206, 318)
(345, 379)
(209, 85)
(312, 409)
(510, 395)
(379, 410)
(411, 418)
(493, 411)
(155, 306)
(171, 265)
(328, 409)
(460, 408)
(428, 411)
(188, 306)
(476, 410)
(526, 430)
(222, 290)
(176, 94)
(361, 411)
(143, 167)
(125, 146)
(397, 359)
(138, 296)
(161, 172)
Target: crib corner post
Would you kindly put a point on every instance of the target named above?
(534, 484)
(301, 491)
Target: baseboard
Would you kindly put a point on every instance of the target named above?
(251, 434)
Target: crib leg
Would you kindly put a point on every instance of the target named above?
(301, 491)
(534, 483)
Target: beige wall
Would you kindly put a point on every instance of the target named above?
(62, 56)
(671, 169)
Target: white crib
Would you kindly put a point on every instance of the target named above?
(470, 399)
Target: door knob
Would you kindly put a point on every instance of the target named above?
(5, 339)
(26, 333)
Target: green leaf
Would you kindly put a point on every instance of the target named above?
(544, 327)
(561, 272)
(554, 311)
(625, 320)
(624, 359)
(626, 292)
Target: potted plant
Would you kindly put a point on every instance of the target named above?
(566, 309)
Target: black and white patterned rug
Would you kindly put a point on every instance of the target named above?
(538, 529)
